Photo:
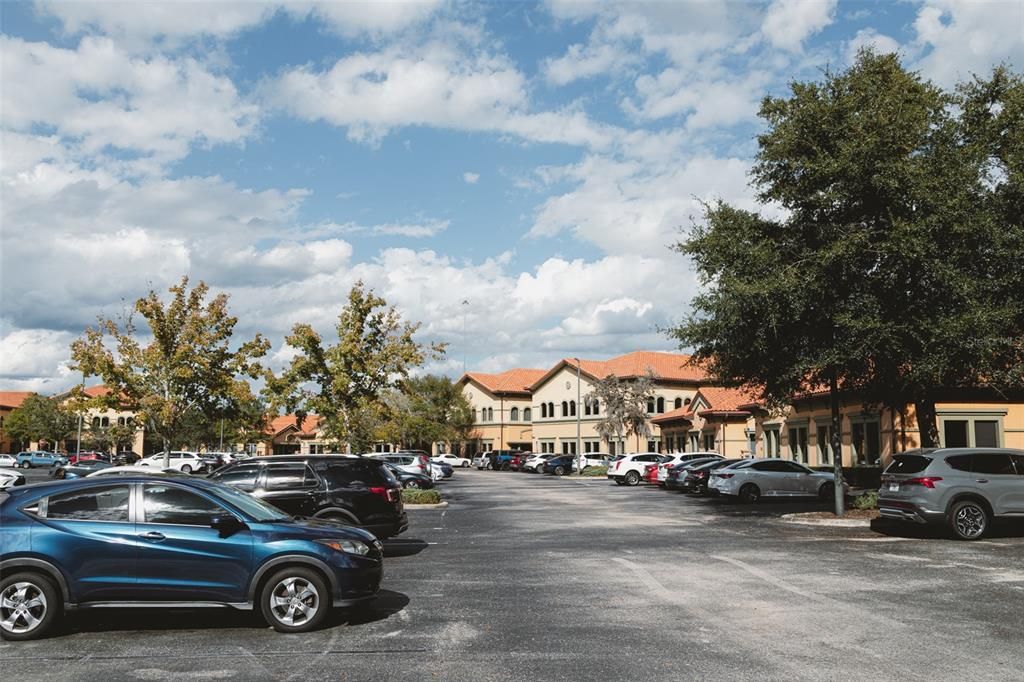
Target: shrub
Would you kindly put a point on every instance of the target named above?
(414, 496)
(868, 500)
(595, 471)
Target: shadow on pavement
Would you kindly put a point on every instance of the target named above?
(1001, 528)
(404, 547)
(387, 604)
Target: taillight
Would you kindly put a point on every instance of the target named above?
(700, 474)
(389, 494)
(617, 463)
(926, 481)
(725, 475)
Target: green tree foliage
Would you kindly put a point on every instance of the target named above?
(241, 419)
(624, 403)
(41, 419)
(345, 383)
(895, 270)
(427, 410)
(188, 367)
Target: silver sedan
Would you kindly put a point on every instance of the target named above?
(750, 481)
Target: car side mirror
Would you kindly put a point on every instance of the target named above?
(226, 524)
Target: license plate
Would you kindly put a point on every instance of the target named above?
(894, 487)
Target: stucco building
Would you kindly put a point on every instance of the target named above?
(502, 409)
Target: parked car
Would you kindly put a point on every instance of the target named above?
(137, 471)
(80, 470)
(593, 459)
(750, 481)
(8, 461)
(453, 460)
(10, 478)
(535, 462)
(39, 458)
(481, 460)
(446, 469)
(519, 460)
(125, 458)
(693, 477)
(410, 480)
(185, 462)
(560, 465)
(651, 474)
(410, 462)
(501, 460)
(345, 488)
(629, 470)
(965, 488)
(99, 542)
(677, 459)
(77, 457)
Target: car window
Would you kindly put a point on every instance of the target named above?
(996, 463)
(106, 503)
(356, 474)
(242, 477)
(289, 476)
(795, 468)
(1018, 460)
(908, 464)
(173, 505)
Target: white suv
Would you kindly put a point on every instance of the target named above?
(630, 469)
(678, 458)
(451, 459)
(185, 462)
(536, 461)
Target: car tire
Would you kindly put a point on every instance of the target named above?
(186, 469)
(631, 478)
(26, 464)
(411, 484)
(827, 492)
(969, 519)
(619, 481)
(749, 493)
(295, 599)
(559, 471)
(46, 606)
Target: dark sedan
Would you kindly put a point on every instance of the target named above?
(677, 473)
(559, 466)
(696, 479)
(80, 470)
(409, 479)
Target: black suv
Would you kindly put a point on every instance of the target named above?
(345, 488)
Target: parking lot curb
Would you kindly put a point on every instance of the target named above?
(801, 519)
(439, 505)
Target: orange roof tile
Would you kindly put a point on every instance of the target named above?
(664, 367)
(96, 391)
(675, 415)
(517, 381)
(725, 400)
(310, 424)
(13, 399)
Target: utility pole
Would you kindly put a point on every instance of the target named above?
(465, 306)
(78, 446)
(221, 435)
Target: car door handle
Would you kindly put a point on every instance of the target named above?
(982, 480)
(153, 535)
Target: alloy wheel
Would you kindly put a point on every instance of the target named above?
(294, 601)
(22, 608)
(970, 521)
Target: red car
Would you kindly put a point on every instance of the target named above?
(651, 473)
(86, 456)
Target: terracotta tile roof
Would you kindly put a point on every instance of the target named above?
(310, 424)
(96, 391)
(664, 366)
(516, 381)
(681, 414)
(13, 399)
(725, 401)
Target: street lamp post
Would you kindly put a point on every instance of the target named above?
(579, 408)
(465, 306)
(78, 444)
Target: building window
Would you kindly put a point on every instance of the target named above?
(596, 406)
(825, 443)
(490, 414)
(572, 408)
(866, 443)
(694, 442)
(592, 446)
(971, 431)
(514, 414)
(650, 406)
(543, 411)
(798, 444)
(709, 442)
(568, 447)
(661, 405)
(565, 409)
(551, 413)
(752, 443)
(678, 403)
(317, 449)
(772, 443)
(526, 414)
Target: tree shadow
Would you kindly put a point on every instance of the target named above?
(403, 547)
(1000, 529)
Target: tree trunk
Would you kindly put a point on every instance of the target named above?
(927, 422)
(167, 452)
(837, 444)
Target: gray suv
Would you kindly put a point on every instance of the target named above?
(963, 487)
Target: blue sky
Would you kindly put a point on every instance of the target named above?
(535, 159)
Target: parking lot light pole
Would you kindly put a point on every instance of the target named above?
(579, 408)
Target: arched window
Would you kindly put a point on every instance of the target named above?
(687, 401)
(543, 410)
(526, 414)
(551, 410)
(678, 403)
(96, 422)
(596, 407)
(650, 406)
(490, 414)
(661, 405)
(514, 414)
(565, 409)
(572, 408)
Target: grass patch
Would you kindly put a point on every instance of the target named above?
(414, 496)
(868, 500)
(595, 471)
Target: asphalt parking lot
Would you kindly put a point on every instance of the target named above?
(529, 577)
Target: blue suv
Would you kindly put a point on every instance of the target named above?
(143, 541)
(38, 458)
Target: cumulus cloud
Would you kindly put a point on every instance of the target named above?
(788, 23)
(34, 360)
(471, 178)
(869, 37)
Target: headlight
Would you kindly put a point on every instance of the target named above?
(347, 546)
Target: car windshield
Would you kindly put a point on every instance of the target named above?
(259, 510)
(908, 464)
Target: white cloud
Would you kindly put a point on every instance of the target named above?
(587, 61)
(428, 228)
(99, 97)
(960, 38)
(706, 100)
(34, 360)
(788, 23)
(869, 37)
(471, 178)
